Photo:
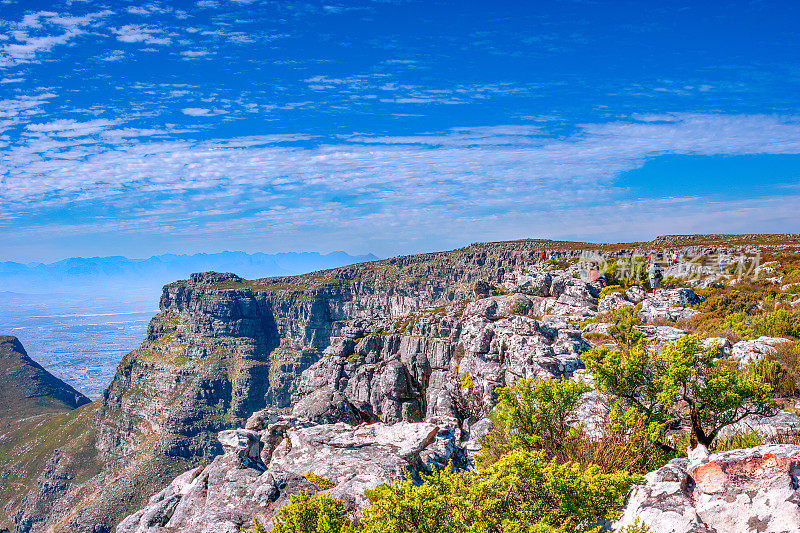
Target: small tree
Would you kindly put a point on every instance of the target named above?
(546, 416)
(681, 383)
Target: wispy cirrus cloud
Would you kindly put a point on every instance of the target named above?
(40, 32)
(160, 121)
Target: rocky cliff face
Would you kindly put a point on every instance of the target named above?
(414, 368)
(220, 348)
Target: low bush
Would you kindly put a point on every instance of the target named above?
(781, 369)
(468, 400)
(534, 415)
(622, 330)
(728, 309)
(519, 308)
(626, 272)
(319, 481)
(521, 492)
(779, 323)
(610, 289)
(310, 513)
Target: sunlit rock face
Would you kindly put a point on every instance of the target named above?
(753, 489)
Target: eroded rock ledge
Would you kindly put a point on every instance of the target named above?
(255, 476)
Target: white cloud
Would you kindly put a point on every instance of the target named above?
(140, 33)
(192, 54)
(112, 56)
(389, 192)
(71, 128)
(196, 111)
(58, 30)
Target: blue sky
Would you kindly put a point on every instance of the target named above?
(139, 128)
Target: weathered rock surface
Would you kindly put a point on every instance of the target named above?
(393, 340)
(746, 352)
(669, 304)
(225, 496)
(753, 489)
(411, 377)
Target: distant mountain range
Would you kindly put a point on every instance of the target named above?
(156, 271)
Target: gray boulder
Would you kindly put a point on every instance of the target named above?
(661, 334)
(535, 284)
(754, 489)
(746, 352)
(669, 304)
(327, 406)
(612, 302)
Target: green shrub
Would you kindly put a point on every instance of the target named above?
(681, 383)
(609, 289)
(521, 492)
(779, 323)
(542, 416)
(519, 308)
(636, 527)
(626, 272)
(781, 369)
(737, 441)
(622, 330)
(629, 441)
(671, 282)
(534, 415)
(312, 513)
(727, 307)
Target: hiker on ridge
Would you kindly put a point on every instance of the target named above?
(655, 275)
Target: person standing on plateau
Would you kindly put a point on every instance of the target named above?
(655, 276)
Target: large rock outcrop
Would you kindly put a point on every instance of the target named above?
(340, 459)
(397, 340)
(415, 371)
(738, 491)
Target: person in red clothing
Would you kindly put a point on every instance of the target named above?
(542, 255)
(594, 274)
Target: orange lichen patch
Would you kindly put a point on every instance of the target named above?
(710, 477)
(714, 476)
